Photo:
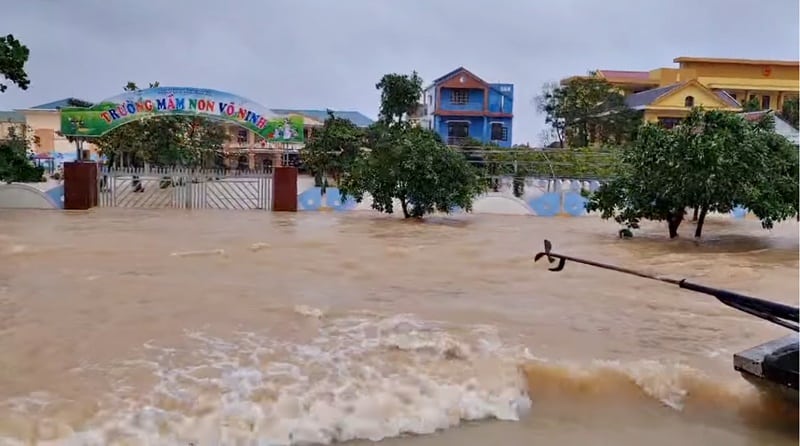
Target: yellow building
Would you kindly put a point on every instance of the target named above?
(669, 104)
(45, 122)
(246, 150)
(667, 94)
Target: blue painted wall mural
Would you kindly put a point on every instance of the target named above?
(541, 198)
(31, 196)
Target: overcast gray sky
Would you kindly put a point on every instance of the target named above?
(329, 54)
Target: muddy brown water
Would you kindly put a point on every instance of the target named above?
(139, 327)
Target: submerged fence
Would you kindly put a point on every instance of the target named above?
(185, 188)
(575, 164)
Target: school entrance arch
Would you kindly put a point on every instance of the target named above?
(181, 187)
(101, 118)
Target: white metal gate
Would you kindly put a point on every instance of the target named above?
(185, 188)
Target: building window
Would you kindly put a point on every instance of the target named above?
(430, 100)
(457, 132)
(499, 132)
(458, 129)
(688, 101)
(733, 95)
(241, 136)
(669, 123)
(459, 96)
(765, 102)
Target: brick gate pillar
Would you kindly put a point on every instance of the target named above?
(80, 185)
(284, 189)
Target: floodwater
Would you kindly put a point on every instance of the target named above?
(143, 327)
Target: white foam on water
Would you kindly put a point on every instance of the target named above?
(209, 252)
(305, 310)
(259, 246)
(361, 377)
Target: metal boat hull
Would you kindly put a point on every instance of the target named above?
(772, 366)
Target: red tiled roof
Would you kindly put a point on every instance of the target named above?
(620, 74)
(756, 115)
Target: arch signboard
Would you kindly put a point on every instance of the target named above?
(109, 114)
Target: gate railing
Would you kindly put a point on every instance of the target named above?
(185, 188)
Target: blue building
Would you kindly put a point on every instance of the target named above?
(460, 105)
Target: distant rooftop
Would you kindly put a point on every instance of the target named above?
(12, 116)
(62, 103)
(625, 74)
(723, 60)
(321, 115)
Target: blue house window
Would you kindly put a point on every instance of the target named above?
(458, 129)
(499, 132)
(457, 132)
(459, 96)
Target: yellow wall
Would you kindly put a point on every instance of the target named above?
(5, 126)
(702, 98)
(45, 124)
(743, 71)
(653, 115)
(774, 81)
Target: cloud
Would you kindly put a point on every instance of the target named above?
(318, 54)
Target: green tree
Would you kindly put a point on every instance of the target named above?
(15, 160)
(400, 95)
(714, 161)
(789, 112)
(332, 149)
(587, 110)
(163, 140)
(13, 57)
(415, 167)
(408, 164)
(751, 105)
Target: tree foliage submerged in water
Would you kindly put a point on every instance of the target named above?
(164, 140)
(714, 161)
(408, 164)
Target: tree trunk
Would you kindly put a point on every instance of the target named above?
(698, 231)
(694, 216)
(673, 222)
(405, 208)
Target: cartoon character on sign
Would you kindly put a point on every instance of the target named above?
(276, 134)
(288, 131)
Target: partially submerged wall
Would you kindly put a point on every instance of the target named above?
(28, 196)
